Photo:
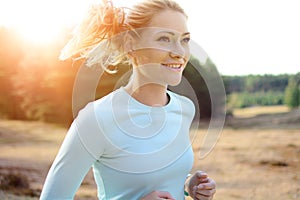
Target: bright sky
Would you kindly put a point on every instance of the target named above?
(240, 36)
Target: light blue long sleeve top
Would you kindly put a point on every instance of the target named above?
(133, 149)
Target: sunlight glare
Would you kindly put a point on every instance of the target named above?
(40, 21)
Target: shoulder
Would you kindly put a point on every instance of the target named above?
(101, 112)
(183, 100)
(91, 123)
(183, 105)
(93, 114)
(102, 105)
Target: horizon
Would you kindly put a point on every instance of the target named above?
(240, 38)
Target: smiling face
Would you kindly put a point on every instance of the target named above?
(162, 50)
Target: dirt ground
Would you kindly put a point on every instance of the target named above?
(254, 158)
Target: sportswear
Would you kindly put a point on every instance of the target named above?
(133, 149)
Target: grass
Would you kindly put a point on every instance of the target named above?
(259, 165)
(247, 163)
(259, 110)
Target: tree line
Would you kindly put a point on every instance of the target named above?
(252, 90)
(35, 85)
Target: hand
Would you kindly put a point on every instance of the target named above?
(201, 187)
(158, 195)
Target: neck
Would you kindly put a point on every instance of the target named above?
(150, 94)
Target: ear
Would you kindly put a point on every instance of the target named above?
(129, 47)
(129, 42)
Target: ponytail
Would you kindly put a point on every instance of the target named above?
(97, 37)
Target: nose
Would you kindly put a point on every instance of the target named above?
(177, 52)
(177, 55)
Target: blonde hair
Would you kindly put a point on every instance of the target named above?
(99, 39)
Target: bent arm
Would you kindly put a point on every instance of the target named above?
(82, 146)
(68, 170)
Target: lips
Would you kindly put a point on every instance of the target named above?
(173, 66)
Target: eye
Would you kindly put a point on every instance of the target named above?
(186, 40)
(164, 39)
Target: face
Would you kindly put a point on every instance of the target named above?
(162, 50)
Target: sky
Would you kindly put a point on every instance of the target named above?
(240, 36)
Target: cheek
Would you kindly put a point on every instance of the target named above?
(142, 57)
(187, 52)
(187, 55)
(149, 56)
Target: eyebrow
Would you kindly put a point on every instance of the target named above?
(171, 33)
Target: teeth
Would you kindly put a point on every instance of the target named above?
(176, 66)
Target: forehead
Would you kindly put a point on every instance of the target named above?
(150, 32)
(170, 20)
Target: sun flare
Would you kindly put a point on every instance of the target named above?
(41, 21)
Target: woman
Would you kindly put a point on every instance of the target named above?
(137, 137)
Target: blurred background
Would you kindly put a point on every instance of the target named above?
(251, 45)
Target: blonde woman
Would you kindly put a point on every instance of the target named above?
(136, 139)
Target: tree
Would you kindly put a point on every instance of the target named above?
(204, 86)
(11, 54)
(292, 99)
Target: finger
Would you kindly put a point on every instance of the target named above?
(205, 186)
(202, 197)
(206, 193)
(204, 180)
(201, 174)
(210, 184)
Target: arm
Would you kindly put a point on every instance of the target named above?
(77, 154)
(68, 169)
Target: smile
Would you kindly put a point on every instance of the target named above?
(173, 66)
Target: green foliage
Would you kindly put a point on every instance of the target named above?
(234, 84)
(11, 55)
(292, 92)
(205, 82)
(256, 83)
(246, 99)
(34, 85)
(252, 90)
(198, 84)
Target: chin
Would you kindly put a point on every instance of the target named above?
(174, 82)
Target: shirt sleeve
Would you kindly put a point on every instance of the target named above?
(82, 146)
